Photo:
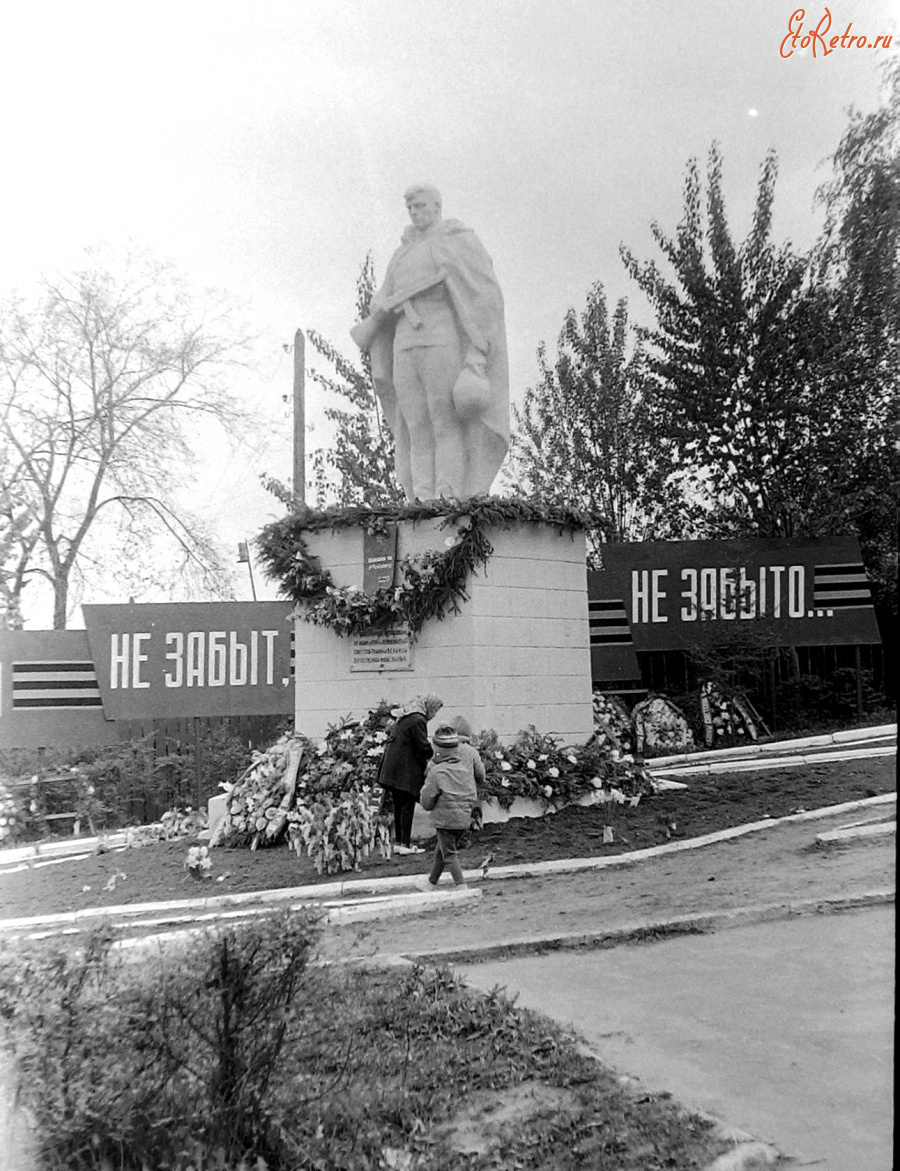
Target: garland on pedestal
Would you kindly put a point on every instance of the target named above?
(430, 585)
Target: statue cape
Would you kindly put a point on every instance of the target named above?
(478, 305)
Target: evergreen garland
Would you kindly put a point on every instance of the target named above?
(431, 585)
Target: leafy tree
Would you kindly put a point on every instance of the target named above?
(105, 380)
(359, 467)
(585, 435)
(858, 267)
(746, 371)
(859, 253)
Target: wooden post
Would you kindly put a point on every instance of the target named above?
(857, 656)
(299, 419)
(773, 685)
(197, 767)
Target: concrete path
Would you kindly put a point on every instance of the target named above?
(784, 1028)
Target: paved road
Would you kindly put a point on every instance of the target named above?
(784, 1029)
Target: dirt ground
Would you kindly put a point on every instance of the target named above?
(779, 866)
(156, 873)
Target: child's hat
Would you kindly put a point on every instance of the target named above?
(445, 737)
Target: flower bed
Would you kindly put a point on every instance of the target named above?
(323, 796)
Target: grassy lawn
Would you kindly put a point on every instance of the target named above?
(241, 1052)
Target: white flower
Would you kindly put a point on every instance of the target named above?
(198, 858)
(548, 792)
(552, 772)
(596, 782)
(498, 756)
(374, 751)
(530, 764)
(505, 782)
(572, 759)
(543, 756)
(506, 766)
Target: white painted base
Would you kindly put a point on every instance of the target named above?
(493, 813)
(518, 653)
(216, 807)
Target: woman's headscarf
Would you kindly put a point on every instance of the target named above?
(427, 705)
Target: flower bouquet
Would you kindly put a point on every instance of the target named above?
(612, 722)
(725, 717)
(9, 815)
(259, 801)
(338, 834)
(661, 727)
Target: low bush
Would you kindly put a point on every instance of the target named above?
(236, 1054)
(133, 782)
(157, 1064)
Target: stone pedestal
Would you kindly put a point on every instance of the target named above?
(518, 652)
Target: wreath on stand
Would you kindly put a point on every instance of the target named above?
(429, 586)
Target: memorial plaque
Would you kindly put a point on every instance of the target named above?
(382, 650)
(379, 559)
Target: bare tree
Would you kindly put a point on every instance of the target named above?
(106, 382)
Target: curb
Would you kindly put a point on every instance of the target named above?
(390, 907)
(847, 737)
(757, 764)
(62, 849)
(651, 931)
(399, 883)
(852, 833)
(748, 1156)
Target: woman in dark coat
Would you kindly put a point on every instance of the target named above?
(402, 771)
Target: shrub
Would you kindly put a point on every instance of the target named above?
(122, 784)
(203, 1040)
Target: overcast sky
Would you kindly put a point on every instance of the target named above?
(265, 147)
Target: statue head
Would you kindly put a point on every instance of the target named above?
(423, 202)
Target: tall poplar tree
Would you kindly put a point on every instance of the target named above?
(745, 362)
(585, 434)
(858, 268)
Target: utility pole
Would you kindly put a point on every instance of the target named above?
(299, 419)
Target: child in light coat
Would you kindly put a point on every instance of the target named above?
(449, 794)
